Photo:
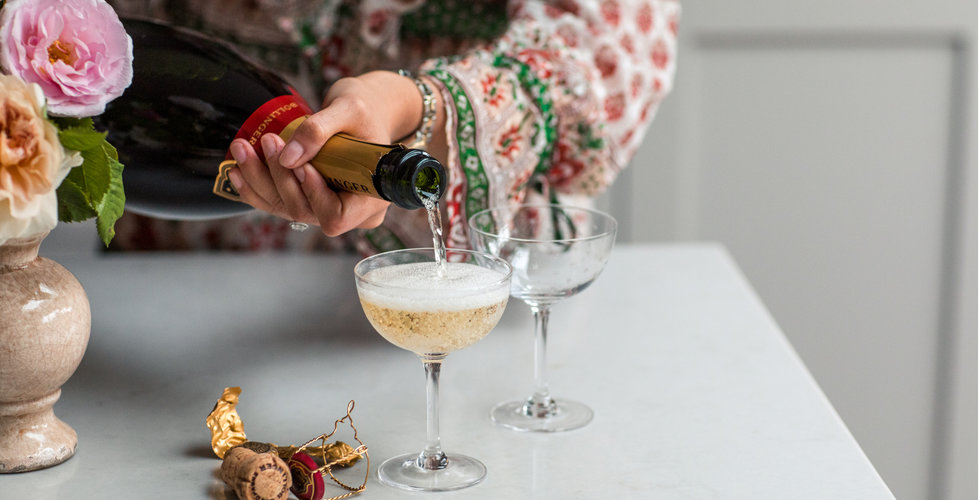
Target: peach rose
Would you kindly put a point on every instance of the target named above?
(32, 161)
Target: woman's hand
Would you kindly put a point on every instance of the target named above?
(299, 194)
(377, 107)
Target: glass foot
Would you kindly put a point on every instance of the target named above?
(404, 472)
(568, 415)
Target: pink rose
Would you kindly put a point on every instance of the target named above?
(76, 50)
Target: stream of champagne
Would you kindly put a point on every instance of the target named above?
(435, 224)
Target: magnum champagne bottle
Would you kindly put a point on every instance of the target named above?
(191, 95)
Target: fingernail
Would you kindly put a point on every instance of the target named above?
(269, 146)
(300, 173)
(238, 152)
(233, 176)
(290, 154)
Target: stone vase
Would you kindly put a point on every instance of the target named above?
(44, 328)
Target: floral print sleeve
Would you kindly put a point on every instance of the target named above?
(564, 95)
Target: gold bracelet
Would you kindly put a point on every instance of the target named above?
(423, 134)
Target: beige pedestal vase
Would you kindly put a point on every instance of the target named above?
(44, 328)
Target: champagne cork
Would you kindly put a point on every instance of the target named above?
(231, 462)
(256, 476)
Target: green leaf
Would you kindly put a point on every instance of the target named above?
(69, 122)
(111, 206)
(76, 133)
(81, 138)
(96, 173)
(95, 188)
(73, 206)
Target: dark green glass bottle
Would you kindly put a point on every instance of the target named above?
(405, 177)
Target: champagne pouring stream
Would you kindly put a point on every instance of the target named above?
(431, 204)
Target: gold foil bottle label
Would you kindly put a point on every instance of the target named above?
(348, 164)
(227, 428)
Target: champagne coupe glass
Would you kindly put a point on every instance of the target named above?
(431, 309)
(556, 251)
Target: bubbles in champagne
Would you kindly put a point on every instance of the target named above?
(421, 286)
(417, 308)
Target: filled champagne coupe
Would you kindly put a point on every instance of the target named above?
(556, 252)
(432, 307)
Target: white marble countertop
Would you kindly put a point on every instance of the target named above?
(696, 391)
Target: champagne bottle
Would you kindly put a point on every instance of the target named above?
(191, 95)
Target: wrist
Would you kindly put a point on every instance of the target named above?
(402, 109)
(422, 135)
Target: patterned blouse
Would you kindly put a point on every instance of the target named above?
(544, 98)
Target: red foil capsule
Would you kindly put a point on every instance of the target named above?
(307, 480)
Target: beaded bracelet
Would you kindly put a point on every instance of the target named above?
(424, 133)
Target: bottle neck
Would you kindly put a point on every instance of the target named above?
(410, 177)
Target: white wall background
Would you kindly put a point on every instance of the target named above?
(832, 147)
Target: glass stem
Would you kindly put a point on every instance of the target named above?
(540, 404)
(432, 457)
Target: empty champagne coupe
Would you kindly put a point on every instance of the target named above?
(556, 252)
(431, 309)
